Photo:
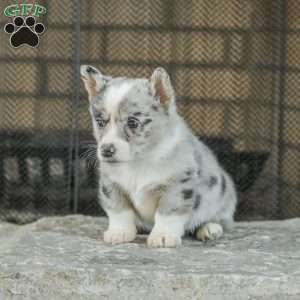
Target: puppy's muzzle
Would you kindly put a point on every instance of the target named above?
(108, 150)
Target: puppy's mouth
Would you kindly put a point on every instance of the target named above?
(112, 161)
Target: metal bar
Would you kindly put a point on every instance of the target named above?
(186, 100)
(260, 68)
(76, 100)
(181, 29)
(2, 177)
(281, 90)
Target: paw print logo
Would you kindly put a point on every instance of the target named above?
(24, 31)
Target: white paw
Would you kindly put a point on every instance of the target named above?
(158, 240)
(209, 231)
(119, 236)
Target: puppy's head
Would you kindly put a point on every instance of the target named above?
(129, 115)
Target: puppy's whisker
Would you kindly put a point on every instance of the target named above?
(92, 163)
(90, 155)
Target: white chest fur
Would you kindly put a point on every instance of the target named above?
(145, 204)
(141, 182)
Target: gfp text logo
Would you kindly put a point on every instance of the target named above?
(24, 9)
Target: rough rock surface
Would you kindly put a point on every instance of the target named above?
(64, 258)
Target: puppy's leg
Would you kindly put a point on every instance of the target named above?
(173, 212)
(122, 228)
(224, 220)
(167, 231)
(214, 230)
(209, 231)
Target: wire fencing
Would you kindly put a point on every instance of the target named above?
(234, 65)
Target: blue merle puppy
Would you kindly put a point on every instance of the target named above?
(155, 174)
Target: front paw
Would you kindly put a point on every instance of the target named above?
(119, 236)
(159, 240)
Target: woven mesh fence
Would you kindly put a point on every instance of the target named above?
(234, 65)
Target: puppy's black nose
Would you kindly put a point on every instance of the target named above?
(108, 150)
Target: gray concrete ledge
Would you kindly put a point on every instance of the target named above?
(64, 258)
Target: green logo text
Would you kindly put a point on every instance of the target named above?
(24, 10)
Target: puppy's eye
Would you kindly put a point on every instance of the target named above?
(132, 123)
(101, 123)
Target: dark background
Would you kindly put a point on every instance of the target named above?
(234, 65)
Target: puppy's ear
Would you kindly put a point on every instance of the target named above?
(93, 80)
(161, 87)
